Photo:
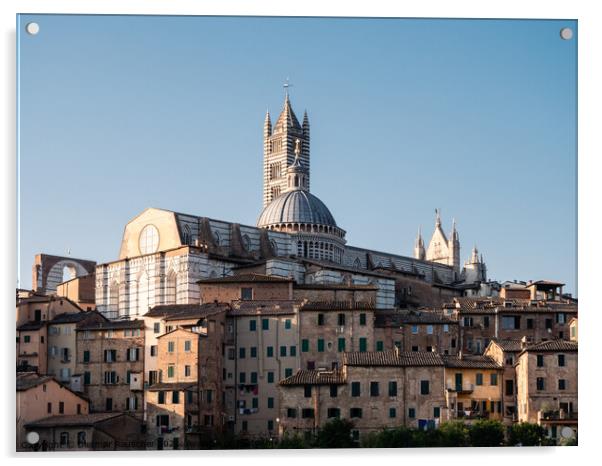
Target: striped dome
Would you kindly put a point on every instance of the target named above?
(297, 206)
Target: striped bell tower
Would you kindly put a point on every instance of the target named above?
(279, 142)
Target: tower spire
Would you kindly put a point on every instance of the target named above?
(437, 217)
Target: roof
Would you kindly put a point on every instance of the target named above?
(70, 317)
(264, 307)
(176, 311)
(338, 306)
(46, 299)
(296, 206)
(496, 305)
(553, 346)
(470, 362)
(74, 420)
(392, 358)
(508, 345)
(27, 380)
(545, 283)
(111, 325)
(287, 118)
(333, 286)
(31, 325)
(176, 386)
(398, 318)
(315, 377)
(247, 278)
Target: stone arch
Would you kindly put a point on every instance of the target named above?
(171, 288)
(49, 271)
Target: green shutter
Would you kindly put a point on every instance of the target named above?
(380, 346)
(320, 345)
(363, 345)
(341, 344)
(305, 345)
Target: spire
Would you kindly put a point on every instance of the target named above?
(437, 218)
(474, 257)
(267, 125)
(287, 118)
(419, 252)
(454, 232)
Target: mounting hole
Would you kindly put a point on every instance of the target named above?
(32, 28)
(566, 33)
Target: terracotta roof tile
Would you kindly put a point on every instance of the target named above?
(247, 278)
(470, 362)
(315, 377)
(263, 307)
(74, 420)
(554, 345)
(392, 358)
(511, 346)
(337, 305)
(111, 325)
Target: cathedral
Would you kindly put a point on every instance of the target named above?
(165, 253)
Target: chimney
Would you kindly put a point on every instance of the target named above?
(460, 354)
(523, 342)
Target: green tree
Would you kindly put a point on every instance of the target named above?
(292, 442)
(454, 434)
(486, 433)
(527, 435)
(335, 434)
(398, 437)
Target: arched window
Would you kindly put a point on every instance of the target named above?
(246, 242)
(216, 236)
(81, 439)
(143, 293)
(186, 236)
(357, 263)
(171, 287)
(69, 273)
(274, 247)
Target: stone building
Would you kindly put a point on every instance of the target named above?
(39, 397)
(88, 432)
(374, 390)
(245, 286)
(473, 386)
(574, 329)
(49, 271)
(80, 290)
(34, 307)
(547, 380)
(32, 347)
(62, 342)
(422, 330)
(110, 357)
(482, 319)
(504, 353)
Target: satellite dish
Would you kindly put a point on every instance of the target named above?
(567, 432)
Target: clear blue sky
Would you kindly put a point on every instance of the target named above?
(478, 118)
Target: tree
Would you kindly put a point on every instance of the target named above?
(398, 437)
(335, 434)
(454, 434)
(292, 442)
(486, 433)
(527, 435)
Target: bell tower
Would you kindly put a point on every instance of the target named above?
(280, 142)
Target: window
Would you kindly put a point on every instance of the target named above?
(153, 350)
(548, 323)
(270, 425)
(541, 383)
(320, 345)
(341, 319)
(79, 408)
(411, 413)
(109, 404)
(64, 439)
(486, 321)
(171, 345)
(493, 379)
(393, 388)
(479, 379)
(110, 377)
(355, 413)
(255, 403)
(561, 360)
(307, 391)
(320, 319)
(561, 384)
(253, 351)
(510, 322)
(265, 324)
(288, 372)
(341, 345)
(333, 391)
(61, 407)
(530, 324)
(270, 377)
(175, 397)
(252, 325)
(270, 402)
(355, 389)
(246, 294)
(424, 387)
(293, 351)
(132, 354)
(187, 371)
(374, 389)
(453, 342)
(446, 328)
(560, 318)
(282, 351)
(110, 355)
(414, 329)
(86, 356)
(157, 327)
(49, 408)
(307, 413)
(392, 412)
(305, 345)
(333, 413)
(362, 319)
(363, 345)
(436, 412)
(429, 329)
(414, 348)
(87, 378)
(467, 322)
(509, 360)
(509, 387)
(287, 324)
(187, 345)
(81, 439)
(241, 353)
(209, 396)
(171, 370)
(270, 351)
(253, 377)
(380, 346)
(291, 413)
(540, 360)
(242, 377)
(245, 426)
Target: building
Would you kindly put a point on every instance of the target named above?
(473, 387)
(49, 271)
(39, 397)
(374, 390)
(80, 290)
(87, 432)
(547, 381)
(422, 330)
(110, 357)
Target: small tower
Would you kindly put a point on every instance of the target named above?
(279, 144)
(454, 248)
(419, 252)
(475, 269)
(296, 174)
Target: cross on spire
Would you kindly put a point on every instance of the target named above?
(286, 85)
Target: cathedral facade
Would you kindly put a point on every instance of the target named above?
(164, 253)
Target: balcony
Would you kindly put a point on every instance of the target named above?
(465, 388)
(557, 416)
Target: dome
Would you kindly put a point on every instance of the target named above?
(297, 206)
